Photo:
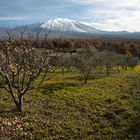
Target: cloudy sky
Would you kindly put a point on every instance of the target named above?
(112, 15)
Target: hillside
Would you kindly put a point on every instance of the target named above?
(107, 108)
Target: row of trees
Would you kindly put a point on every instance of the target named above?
(21, 64)
(126, 47)
(88, 59)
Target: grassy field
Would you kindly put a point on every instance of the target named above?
(64, 108)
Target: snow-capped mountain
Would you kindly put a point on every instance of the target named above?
(68, 25)
(66, 28)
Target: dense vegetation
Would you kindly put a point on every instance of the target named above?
(103, 106)
(123, 46)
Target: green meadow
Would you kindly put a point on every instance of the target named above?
(65, 108)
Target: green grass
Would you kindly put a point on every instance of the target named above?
(64, 108)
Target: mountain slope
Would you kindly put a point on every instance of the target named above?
(68, 25)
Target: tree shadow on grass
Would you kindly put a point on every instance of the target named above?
(8, 108)
(9, 111)
(51, 88)
(91, 77)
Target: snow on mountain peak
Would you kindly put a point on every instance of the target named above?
(64, 25)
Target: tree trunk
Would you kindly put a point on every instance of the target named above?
(86, 80)
(118, 69)
(20, 104)
(107, 71)
(62, 70)
(125, 67)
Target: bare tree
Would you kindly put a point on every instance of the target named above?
(47, 32)
(37, 35)
(19, 67)
(9, 34)
(22, 32)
